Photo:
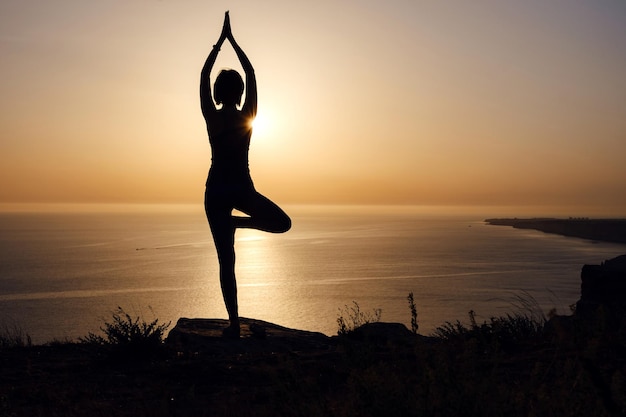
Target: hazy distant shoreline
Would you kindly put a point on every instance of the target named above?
(605, 230)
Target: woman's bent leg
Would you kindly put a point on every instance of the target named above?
(264, 214)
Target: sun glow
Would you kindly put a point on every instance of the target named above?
(260, 125)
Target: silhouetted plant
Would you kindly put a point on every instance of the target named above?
(355, 318)
(13, 336)
(504, 331)
(449, 330)
(528, 306)
(130, 334)
(414, 325)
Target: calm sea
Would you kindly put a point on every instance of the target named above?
(63, 273)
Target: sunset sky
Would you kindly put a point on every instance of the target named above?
(384, 102)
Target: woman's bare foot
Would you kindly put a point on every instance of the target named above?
(232, 331)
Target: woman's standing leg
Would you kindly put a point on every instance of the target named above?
(223, 231)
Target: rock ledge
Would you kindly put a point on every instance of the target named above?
(205, 336)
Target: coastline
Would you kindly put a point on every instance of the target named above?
(603, 230)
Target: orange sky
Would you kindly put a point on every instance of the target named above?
(398, 102)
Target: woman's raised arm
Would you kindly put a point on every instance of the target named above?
(206, 98)
(250, 105)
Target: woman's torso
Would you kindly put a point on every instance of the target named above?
(229, 136)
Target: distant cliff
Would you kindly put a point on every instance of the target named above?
(606, 230)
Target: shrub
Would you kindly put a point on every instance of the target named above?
(12, 335)
(504, 331)
(355, 318)
(132, 335)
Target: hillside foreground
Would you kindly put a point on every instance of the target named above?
(516, 365)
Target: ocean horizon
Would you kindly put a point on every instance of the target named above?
(65, 268)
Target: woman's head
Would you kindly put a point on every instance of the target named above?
(228, 87)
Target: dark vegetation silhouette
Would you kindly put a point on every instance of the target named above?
(229, 185)
(520, 364)
(129, 337)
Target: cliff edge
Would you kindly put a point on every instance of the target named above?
(604, 230)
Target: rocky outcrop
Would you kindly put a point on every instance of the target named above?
(205, 336)
(601, 309)
(603, 287)
(387, 334)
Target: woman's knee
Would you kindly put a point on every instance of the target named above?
(285, 224)
(279, 223)
(266, 215)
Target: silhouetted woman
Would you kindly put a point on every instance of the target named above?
(229, 185)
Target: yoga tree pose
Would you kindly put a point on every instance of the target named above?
(229, 185)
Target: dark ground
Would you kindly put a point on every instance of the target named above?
(570, 368)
